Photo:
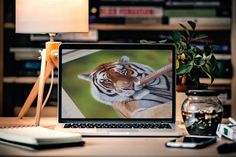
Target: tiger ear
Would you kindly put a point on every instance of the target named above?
(124, 60)
(86, 77)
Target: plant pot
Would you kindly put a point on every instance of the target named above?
(202, 111)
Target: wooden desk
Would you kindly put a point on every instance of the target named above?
(107, 146)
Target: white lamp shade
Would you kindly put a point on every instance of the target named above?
(51, 16)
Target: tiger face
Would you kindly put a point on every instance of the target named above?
(114, 82)
(116, 77)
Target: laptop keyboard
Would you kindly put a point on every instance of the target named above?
(116, 125)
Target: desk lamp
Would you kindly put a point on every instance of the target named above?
(48, 16)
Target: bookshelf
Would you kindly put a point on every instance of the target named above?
(139, 27)
(151, 27)
(106, 32)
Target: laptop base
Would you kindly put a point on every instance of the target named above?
(175, 131)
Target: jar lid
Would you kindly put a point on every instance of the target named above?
(202, 93)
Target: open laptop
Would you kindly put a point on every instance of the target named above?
(117, 89)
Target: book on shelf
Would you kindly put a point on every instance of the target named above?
(200, 12)
(25, 53)
(199, 3)
(129, 15)
(144, 20)
(33, 137)
(205, 21)
(29, 68)
(129, 2)
(130, 11)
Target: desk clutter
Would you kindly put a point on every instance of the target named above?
(227, 130)
(202, 111)
(38, 138)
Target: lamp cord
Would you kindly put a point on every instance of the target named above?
(50, 89)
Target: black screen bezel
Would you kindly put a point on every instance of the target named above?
(133, 46)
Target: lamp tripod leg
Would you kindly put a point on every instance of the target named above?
(41, 88)
(34, 91)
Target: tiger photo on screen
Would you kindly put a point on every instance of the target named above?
(114, 83)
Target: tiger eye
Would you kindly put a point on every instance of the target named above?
(105, 81)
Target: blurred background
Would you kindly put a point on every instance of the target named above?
(137, 20)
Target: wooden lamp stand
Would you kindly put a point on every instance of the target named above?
(49, 61)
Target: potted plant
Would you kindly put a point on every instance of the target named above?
(191, 62)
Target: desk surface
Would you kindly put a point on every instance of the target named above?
(107, 146)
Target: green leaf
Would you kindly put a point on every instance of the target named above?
(183, 45)
(199, 36)
(184, 36)
(213, 63)
(212, 79)
(199, 61)
(179, 49)
(176, 36)
(189, 54)
(183, 26)
(206, 71)
(207, 50)
(207, 67)
(192, 24)
(184, 69)
(197, 51)
(185, 29)
(195, 77)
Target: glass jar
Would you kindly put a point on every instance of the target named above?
(202, 112)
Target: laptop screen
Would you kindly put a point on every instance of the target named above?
(121, 81)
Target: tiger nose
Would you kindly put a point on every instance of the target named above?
(119, 85)
(129, 86)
